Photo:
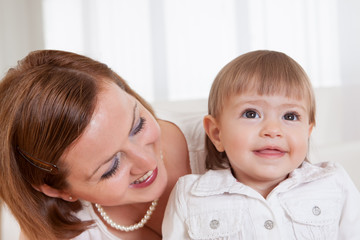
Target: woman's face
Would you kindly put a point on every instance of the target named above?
(117, 160)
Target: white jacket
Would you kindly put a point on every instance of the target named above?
(316, 202)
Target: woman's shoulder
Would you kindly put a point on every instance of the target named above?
(172, 138)
(186, 142)
(174, 148)
(187, 123)
(188, 117)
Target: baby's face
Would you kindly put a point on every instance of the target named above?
(264, 137)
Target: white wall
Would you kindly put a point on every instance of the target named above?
(21, 30)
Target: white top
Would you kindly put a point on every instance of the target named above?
(316, 202)
(191, 125)
(99, 231)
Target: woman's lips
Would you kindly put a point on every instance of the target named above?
(145, 180)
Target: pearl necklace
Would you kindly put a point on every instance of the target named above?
(131, 227)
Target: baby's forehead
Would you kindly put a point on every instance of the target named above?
(294, 94)
(257, 95)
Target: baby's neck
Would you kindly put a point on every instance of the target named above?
(262, 187)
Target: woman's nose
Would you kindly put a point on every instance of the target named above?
(271, 128)
(142, 160)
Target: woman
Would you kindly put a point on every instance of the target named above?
(82, 155)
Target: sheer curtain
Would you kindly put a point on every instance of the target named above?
(172, 50)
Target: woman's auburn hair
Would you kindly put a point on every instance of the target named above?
(47, 101)
(263, 72)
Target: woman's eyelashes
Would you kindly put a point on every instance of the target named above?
(116, 159)
(114, 167)
(138, 127)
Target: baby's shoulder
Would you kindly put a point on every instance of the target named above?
(318, 179)
(189, 180)
(331, 170)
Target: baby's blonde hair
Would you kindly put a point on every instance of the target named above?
(264, 72)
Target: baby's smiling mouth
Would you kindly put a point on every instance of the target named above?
(270, 152)
(143, 178)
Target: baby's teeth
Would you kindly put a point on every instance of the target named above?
(143, 178)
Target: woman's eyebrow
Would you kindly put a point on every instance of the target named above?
(109, 159)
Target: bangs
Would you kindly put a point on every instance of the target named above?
(268, 83)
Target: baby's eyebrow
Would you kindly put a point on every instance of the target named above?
(260, 102)
(292, 105)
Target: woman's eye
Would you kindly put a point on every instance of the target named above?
(138, 127)
(291, 116)
(114, 167)
(250, 114)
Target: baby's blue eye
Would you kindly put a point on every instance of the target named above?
(250, 114)
(291, 116)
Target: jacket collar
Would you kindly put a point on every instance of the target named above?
(216, 182)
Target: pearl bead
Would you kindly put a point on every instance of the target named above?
(133, 227)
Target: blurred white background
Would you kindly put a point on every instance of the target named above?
(173, 49)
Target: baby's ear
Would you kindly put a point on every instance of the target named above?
(212, 129)
(311, 126)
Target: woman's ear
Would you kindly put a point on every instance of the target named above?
(212, 129)
(55, 193)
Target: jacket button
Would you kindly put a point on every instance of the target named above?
(316, 211)
(214, 224)
(269, 224)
